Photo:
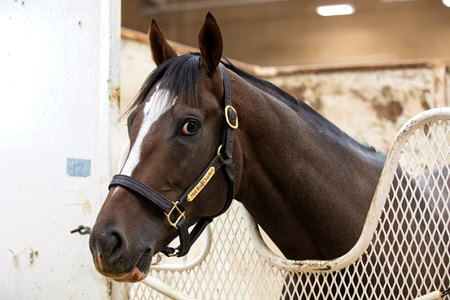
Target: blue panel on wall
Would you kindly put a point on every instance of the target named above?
(78, 167)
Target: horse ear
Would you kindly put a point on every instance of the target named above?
(161, 50)
(210, 44)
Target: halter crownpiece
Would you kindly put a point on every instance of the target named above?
(175, 211)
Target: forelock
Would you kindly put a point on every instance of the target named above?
(178, 76)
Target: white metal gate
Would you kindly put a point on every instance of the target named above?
(403, 253)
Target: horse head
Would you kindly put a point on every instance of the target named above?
(180, 166)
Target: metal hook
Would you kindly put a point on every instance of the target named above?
(82, 230)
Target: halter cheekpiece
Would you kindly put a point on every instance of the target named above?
(175, 211)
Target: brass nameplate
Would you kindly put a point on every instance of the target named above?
(201, 184)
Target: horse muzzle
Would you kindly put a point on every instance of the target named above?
(111, 258)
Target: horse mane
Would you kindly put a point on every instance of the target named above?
(266, 86)
(179, 75)
(296, 104)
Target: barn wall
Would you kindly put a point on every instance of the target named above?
(59, 82)
(371, 105)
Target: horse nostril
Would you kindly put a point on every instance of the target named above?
(108, 244)
(115, 243)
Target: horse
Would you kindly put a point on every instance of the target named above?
(203, 132)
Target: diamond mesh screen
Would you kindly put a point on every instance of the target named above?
(409, 253)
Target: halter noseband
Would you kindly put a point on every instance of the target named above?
(174, 211)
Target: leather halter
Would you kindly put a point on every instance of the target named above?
(175, 211)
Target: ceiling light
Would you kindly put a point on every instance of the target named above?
(337, 10)
(446, 2)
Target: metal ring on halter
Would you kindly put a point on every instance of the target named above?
(231, 109)
(180, 212)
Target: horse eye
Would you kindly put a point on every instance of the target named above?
(190, 127)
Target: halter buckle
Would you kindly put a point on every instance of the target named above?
(231, 117)
(178, 210)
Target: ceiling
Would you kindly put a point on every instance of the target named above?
(290, 32)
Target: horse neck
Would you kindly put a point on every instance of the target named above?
(306, 183)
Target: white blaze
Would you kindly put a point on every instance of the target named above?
(157, 105)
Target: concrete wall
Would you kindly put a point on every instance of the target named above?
(59, 84)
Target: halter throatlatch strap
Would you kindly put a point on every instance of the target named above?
(175, 211)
